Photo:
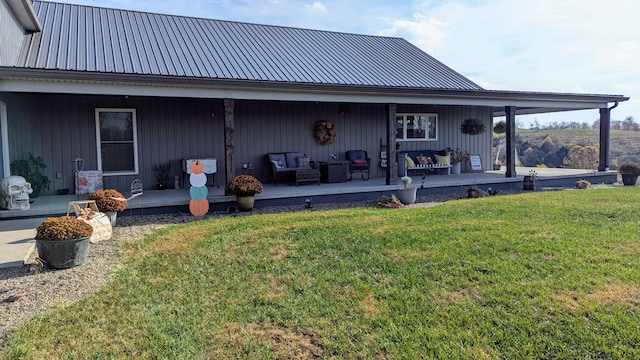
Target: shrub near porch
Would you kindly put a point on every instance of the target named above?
(538, 275)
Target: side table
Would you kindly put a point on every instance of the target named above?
(334, 171)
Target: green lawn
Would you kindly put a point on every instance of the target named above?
(539, 275)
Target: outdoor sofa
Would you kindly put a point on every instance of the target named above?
(292, 166)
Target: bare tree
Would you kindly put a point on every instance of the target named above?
(629, 124)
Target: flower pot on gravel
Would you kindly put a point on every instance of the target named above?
(63, 242)
(245, 203)
(629, 179)
(630, 172)
(407, 196)
(63, 254)
(245, 187)
(113, 217)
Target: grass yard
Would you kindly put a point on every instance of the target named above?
(539, 275)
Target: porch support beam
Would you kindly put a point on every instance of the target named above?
(510, 118)
(392, 168)
(605, 138)
(229, 139)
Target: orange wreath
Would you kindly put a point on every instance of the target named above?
(324, 132)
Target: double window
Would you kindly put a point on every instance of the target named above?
(116, 133)
(417, 127)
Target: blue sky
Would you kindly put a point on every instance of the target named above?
(576, 46)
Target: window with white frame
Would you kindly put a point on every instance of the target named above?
(116, 133)
(417, 127)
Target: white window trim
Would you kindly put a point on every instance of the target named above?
(404, 127)
(135, 141)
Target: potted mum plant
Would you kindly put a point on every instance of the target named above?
(407, 195)
(63, 242)
(630, 172)
(109, 201)
(245, 187)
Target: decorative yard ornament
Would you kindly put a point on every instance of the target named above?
(199, 205)
(15, 191)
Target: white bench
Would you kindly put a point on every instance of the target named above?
(434, 167)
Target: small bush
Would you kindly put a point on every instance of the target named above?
(583, 184)
(629, 168)
(500, 127)
(386, 202)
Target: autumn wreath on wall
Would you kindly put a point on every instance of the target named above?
(324, 132)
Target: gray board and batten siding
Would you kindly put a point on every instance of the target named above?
(62, 127)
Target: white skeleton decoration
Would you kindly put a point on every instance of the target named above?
(15, 191)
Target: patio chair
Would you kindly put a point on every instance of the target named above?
(358, 161)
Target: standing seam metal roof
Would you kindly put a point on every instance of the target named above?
(93, 39)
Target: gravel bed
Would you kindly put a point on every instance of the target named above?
(45, 288)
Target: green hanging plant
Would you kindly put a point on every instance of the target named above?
(500, 127)
(473, 126)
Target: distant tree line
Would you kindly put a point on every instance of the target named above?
(628, 124)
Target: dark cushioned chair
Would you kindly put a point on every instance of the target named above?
(358, 161)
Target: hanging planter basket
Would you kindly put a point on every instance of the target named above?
(473, 127)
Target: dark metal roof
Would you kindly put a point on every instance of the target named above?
(92, 39)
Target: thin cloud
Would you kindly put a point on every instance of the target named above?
(316, 7)
(426, 33)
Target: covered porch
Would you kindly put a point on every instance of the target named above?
(172, 201)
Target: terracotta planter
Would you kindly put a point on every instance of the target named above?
(63, 254)
(245, 203)
(407, 196)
